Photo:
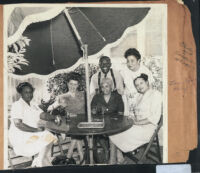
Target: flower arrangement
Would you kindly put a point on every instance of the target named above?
(15, 54)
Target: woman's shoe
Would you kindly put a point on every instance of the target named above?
(63, 160)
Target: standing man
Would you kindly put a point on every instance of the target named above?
(117, 86)
(106, 72)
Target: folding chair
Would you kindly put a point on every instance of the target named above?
(150, 154)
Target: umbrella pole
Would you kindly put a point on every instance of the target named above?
(85, 56)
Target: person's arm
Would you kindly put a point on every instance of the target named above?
(154, 112)
(43, 107)
(20, 125)
(17, 118)
(47, 116)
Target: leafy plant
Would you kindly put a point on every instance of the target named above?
(58, 84)
(155, 66)
(15, 54)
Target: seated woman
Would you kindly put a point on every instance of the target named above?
(74, 103)
(147, 114)
(24, 135)
(111, 103)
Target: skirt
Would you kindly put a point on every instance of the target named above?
(134, 137)
(29, 143)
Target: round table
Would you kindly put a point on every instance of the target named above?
(113, 124)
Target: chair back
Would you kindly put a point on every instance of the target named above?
(154, 136)
(161, 120)
(160, 123)
(153, 139)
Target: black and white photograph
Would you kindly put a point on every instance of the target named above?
(85, 84)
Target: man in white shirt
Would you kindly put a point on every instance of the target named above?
(106, 72)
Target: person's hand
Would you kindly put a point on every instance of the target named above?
(48, 102)
(40, 129)
(58, 120)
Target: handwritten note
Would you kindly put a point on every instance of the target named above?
(183, 86)
(176, 84)
(183, 56)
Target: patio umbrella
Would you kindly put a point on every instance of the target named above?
(70, 34)
(53, 43)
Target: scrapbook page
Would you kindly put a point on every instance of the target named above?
(97, 84)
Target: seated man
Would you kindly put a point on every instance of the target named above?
(111, 103)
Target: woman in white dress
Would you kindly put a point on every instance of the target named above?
(133, 69)
(25, 136)
(147, 114)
